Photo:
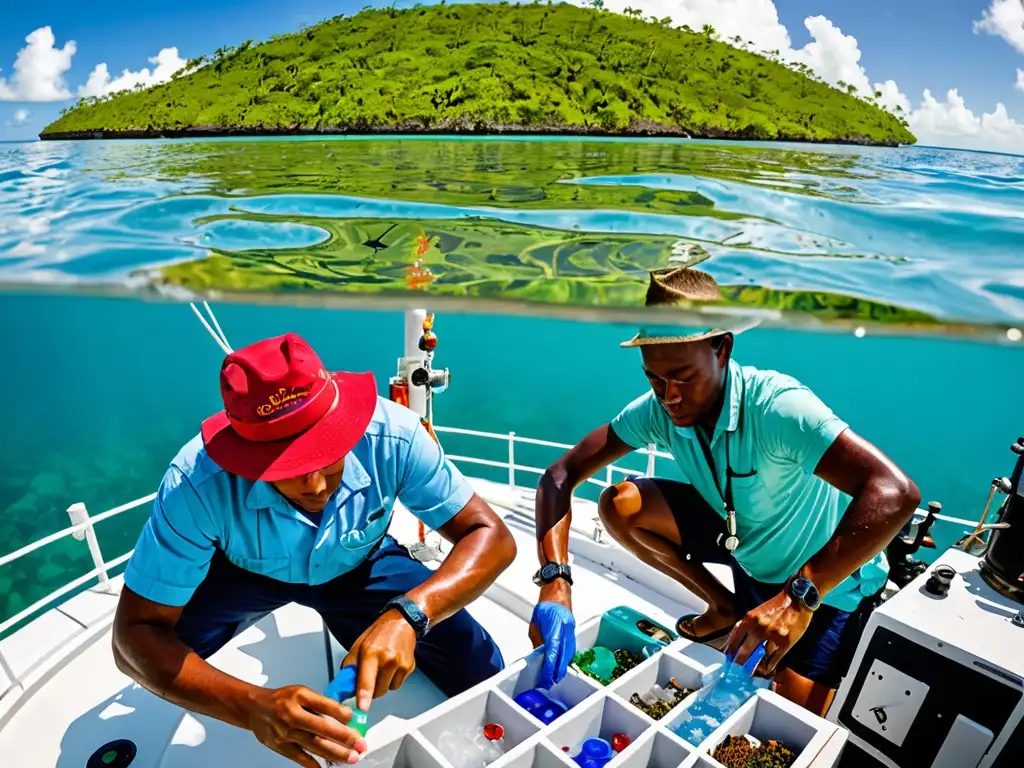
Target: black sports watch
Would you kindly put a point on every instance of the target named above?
(804, 592)
(551, 571)
(412, 613)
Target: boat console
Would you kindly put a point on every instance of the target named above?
(938, 676)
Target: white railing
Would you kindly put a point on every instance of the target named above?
(512, 439)
(83, 525)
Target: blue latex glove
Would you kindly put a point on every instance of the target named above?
(343, 686)
(557, 628)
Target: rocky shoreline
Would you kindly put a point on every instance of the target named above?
(638, 129)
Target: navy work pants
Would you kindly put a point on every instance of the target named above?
(456, 654)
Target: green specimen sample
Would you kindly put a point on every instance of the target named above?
(660, 708)
(738, 752)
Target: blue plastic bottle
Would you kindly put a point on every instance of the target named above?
(594, 753)
(719, 699)
(343, 688)
(545, 708)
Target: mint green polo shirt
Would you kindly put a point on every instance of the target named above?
(784, 512)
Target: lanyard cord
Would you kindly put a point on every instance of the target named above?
(727, 498)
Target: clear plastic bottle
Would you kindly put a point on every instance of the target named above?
(469, 747)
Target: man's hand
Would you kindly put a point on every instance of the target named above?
(779, 621)
(554, 627)
(288, 720)
(385, 655)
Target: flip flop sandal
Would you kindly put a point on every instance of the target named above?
(684, 628)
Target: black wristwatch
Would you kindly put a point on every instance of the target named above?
(804, 592)
(551, 571)
(412, 613)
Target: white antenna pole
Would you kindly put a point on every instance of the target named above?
(216, 325)
(221, 340)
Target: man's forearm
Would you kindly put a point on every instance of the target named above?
(872, 519)
(467, 571)
(158, 661)
(554, 517)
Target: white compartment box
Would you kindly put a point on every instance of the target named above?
(541, 755)
(658, 749)
(601, 718)
(768, 716)
(571, 690)
(409, 751)
(659, 670)
(599, 711)
(486, 706)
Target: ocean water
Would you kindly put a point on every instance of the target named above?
(105, 376)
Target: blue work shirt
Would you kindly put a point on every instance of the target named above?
(201, 507)
(784, 512)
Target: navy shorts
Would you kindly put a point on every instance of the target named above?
(456, 654)
(825, 651)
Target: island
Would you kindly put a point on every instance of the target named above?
(483, 69)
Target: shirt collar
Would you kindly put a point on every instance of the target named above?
(354, 477)
(729, 418)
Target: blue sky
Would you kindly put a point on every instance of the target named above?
(919, 44)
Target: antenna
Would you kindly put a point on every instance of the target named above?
(218, 335)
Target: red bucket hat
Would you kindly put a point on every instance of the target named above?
(284, 415)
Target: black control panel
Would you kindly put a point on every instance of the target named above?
(953, 690)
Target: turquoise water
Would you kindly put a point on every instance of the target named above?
(99, 393)
(105, 391)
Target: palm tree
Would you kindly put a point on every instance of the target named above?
(709, 31)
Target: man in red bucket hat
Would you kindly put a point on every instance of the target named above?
(286, 496)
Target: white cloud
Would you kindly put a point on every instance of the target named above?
(1020, 80)
(1004, 18)
(39, 70)
(21, 116)
(950, 123)
(167, 62)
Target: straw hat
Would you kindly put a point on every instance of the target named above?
(684, 284)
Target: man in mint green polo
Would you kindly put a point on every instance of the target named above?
(779, 488)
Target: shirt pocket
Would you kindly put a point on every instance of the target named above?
(360, 541)
(274, 567)
(750, 495)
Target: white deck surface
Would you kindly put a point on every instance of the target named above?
(72, 699)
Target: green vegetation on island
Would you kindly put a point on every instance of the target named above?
(493, 68)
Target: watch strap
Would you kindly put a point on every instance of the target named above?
(548, 572)
(411, 612)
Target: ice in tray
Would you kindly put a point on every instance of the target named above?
(716, 702)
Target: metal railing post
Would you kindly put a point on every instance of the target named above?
(512, 460)
(79, 515)
(651, 448)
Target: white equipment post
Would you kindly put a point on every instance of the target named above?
(414, 359)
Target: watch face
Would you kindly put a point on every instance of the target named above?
(805, 591)
(414, 610)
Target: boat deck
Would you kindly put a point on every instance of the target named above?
(73, 699)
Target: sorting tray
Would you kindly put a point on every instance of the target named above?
(597, 710)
